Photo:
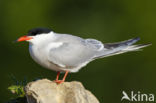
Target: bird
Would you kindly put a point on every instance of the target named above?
(66, 53)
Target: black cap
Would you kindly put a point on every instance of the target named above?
(37, 31)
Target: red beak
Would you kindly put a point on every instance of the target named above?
(24, 38)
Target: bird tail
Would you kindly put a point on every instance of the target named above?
(111, 49)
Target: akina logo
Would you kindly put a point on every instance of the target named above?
(137, 97)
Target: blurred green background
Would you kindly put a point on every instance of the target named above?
(105, 20)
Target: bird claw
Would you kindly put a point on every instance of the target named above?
(58, 81)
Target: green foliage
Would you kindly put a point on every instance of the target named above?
(17, 89)
(19, 94)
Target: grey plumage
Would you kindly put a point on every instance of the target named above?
(111, 49)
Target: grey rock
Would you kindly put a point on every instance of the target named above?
(46, 91)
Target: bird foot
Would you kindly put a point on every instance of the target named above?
(58, 81)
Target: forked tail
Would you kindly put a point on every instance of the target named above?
(120, 47)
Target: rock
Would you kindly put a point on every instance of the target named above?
(46, 91)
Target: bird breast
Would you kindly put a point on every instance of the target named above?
(39, 55)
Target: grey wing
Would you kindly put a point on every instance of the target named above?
(95, 44)
(74, 51)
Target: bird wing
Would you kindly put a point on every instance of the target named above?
(95, 44)
(111, 49)
(73, 51)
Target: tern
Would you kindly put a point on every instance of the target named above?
(68, 53)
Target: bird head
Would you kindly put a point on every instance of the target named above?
(33, 34)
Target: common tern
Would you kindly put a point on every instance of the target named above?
(68, 53)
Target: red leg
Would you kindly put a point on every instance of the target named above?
(64, 78)
(57, 77)
(60, 81)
